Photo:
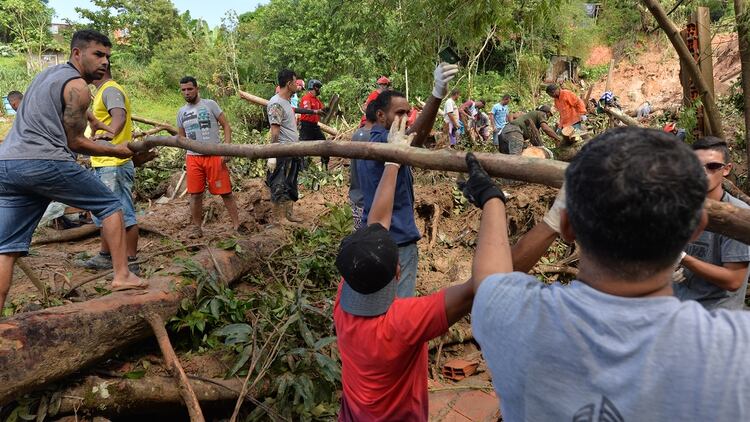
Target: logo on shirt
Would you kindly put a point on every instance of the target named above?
(607, 412)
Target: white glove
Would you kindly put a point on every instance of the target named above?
(397, 135)
(678, 276)
(584, 117)
(552, 218)
(271, 164)
(443, 74)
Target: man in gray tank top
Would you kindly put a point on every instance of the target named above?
(37, 160)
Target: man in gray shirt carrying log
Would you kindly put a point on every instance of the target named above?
(37, 160)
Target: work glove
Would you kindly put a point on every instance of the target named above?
(480, 187)
(397, 136)
(552, 218)
(271, 164)
(443, 74)
(678, 276)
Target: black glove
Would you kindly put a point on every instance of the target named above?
(480, 187)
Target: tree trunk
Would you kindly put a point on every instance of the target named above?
(673, 33)
(534, 170)
(121, 396)
(264, 102)
(619, 115)
(40, 347)
(169, 128)
(743, 34)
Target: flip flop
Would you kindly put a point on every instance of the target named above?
(141, 285)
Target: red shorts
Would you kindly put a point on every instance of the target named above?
(207, 168)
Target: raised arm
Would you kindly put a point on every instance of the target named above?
(422, 127)
(729, 276)
(382, 204)
(76, 98)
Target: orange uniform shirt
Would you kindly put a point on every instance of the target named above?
(570, 107)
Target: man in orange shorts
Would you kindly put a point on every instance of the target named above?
(199, 120)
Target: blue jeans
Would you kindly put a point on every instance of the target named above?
(120, 179)
(408, 257)
(28, 186)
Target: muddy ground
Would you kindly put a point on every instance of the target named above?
(449, 230)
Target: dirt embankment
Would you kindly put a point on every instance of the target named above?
(652, 72)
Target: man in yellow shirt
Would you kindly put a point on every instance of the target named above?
(112, 107)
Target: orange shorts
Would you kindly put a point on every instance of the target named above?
(207, 168)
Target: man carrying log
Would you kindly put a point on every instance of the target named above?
(571, 108)
(112, 107)
(382, 338)
(283, 171)
(37, 160)
(518, 130)
(715, 266)
(387, 107)
(199, 120)
(634, 200)
(309, 129)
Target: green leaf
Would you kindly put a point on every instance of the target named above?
(306, 333)
(244, 357)
(135, 375)
(325, 341)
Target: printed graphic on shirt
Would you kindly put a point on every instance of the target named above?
(698, 249)
(607, 412)
(276, 114)
(197, 122)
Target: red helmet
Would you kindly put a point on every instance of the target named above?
(670, 127)
(383, 80)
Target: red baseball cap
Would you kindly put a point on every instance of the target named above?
(384, 81)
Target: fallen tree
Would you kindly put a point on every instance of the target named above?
(264, 102)
(43, 346)
(157, 124)
(723, 218)
(619, 115)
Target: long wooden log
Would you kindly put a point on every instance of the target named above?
(84, 231)
(264, 102)
(169, 128)
(112, 397)
(40, 347)
(619, 115)
(730, 220)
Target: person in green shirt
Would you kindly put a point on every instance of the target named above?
(526, 127)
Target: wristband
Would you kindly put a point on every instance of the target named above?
(388, 163)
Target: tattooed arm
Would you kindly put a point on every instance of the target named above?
(76, 98)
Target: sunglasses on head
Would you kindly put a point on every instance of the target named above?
(714, 166)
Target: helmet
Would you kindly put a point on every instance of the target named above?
(312, 83)
(383, 80)
(300, 83)
(670, 127)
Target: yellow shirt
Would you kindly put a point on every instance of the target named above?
(102, 114)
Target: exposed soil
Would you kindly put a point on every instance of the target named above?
(653, 72)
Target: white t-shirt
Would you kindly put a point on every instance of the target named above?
(450, 107)
(572, 352)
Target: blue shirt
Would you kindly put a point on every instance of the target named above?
(403, 227)
(500, 114)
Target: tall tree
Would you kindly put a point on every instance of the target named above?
(743, 32)
(28, 23)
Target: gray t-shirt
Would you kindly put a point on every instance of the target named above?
(200, 122)
(355, 193)
(570, 353)
(280, 113)
(38, 132)
(715, 249)
(113, 98)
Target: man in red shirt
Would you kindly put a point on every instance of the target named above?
(309, 129)
(382, 339)
(384, 84)
(571, 108)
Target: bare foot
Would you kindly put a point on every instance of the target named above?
(132, 282)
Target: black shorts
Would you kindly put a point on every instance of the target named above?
(310, 132)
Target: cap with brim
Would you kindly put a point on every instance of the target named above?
(368, 305)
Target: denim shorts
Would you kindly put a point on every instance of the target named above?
(28, 186)
(120, 179)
